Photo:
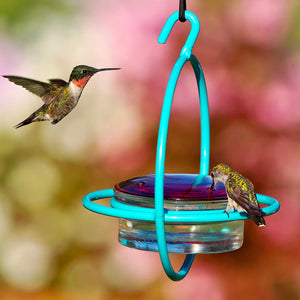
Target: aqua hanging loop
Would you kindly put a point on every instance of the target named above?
(185, 55)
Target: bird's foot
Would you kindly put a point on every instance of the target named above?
(225, 211)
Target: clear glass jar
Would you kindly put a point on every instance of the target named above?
(182, 192)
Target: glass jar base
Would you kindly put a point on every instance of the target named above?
(183, 238)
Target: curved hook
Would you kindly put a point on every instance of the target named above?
(195, 27)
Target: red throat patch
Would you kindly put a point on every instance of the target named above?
(81, 82)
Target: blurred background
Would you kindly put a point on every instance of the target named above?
(50, 246)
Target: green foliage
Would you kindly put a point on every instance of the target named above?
(294, 36)
(15, 13)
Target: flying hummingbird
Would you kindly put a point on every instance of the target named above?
(240, 192)
(59, 96)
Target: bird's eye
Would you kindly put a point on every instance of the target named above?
(84, 71)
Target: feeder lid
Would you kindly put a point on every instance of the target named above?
(176, 187)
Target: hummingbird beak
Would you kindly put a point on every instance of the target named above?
(107, 69)
(213, 182)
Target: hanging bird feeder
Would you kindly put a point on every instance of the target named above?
(176, 213)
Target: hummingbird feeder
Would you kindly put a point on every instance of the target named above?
(176, 213)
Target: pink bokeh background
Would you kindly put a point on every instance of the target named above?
(250, 54)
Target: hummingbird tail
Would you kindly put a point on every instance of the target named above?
(27, 121)
(258, 220)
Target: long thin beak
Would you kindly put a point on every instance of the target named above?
(213, 184)
(108, 69)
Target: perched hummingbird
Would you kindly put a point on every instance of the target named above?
(240, 192)
(59, 96)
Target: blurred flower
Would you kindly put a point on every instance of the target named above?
(283, 156)
(117, 21)
(5, 216)
(129, 270)
(82, 277)
(222, 90)
(292, 71)
(8, 101)
(34, 183)
(281, 227)
(56, 226)
(12, 54)
(260, 22)
(26, 262)
(146, 64)
(90, 229)
(201, 283)
(240, 144)
(127, 160)
(279, 107)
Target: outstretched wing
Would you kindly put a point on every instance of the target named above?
(39, 88)
(245, 198)
(58, 82)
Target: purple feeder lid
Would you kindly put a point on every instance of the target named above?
(179, 190)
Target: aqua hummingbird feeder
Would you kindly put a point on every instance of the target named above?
(176, 213)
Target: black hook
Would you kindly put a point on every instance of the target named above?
(182, 8)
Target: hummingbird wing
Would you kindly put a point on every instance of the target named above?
(58, 82)
(246, 198)
(39, 88)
